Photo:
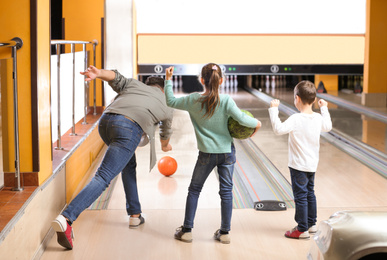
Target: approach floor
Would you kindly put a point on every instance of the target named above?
(342, 183)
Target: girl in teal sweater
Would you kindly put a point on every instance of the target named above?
(209, 113)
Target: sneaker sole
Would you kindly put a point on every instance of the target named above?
(302, 238)
(136, 226)
(62, 240)
(222, 241)
(184, 240)
(217, 237)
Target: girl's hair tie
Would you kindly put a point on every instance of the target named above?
(214, 67)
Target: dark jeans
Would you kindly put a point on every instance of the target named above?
(205, 164)
(122, 137)
(304, 198)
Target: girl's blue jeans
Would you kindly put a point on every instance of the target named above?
(122, 137)
(304, 198)
(206, 162)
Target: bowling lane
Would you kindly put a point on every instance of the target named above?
(341, 181)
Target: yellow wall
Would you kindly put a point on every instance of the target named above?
(16, 23)
(250, 49)
(80, 161)
(83, 22)
(6, 83)
(331, 82)
(134, 37)
(375, 64)
(43, 78)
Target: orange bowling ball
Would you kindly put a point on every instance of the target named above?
(167, 166)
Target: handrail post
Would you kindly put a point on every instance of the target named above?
(73, 111)
(16, 116)
(86, 85)
(94, 81)
(59, 147)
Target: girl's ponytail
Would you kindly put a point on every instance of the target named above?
(212, 75)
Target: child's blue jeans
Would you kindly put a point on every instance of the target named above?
(304, 198)
(205, 164)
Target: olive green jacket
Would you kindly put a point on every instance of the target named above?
(145, 105)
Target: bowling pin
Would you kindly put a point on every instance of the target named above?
(180, 82)
(235, 84)
(176, 83)
(267, 81)
(262, 82)
(361, 81)
(282, 81)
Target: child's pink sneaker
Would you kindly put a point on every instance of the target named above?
(64, 232)
(294, 233)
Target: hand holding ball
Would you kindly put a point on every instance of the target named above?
(239, 131)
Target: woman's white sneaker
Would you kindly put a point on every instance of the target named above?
(135, 222)
(313, 229)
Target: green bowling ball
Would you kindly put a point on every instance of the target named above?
(239, 131)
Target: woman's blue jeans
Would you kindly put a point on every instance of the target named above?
(122, 137)
(304, 198)
(206, 162)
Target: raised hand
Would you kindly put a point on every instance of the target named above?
(169, 73)
(274, 103)
(91, 73)
(259, 124)
(322, 103)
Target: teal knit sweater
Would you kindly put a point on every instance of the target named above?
(211, 133)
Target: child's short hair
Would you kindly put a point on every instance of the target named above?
(306, 90)
(151, 81)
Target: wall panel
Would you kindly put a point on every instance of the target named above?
(80, 161)
(250, 49)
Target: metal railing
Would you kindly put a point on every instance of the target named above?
(16, 43)
(58, 44)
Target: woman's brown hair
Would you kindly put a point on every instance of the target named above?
(211, 75)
